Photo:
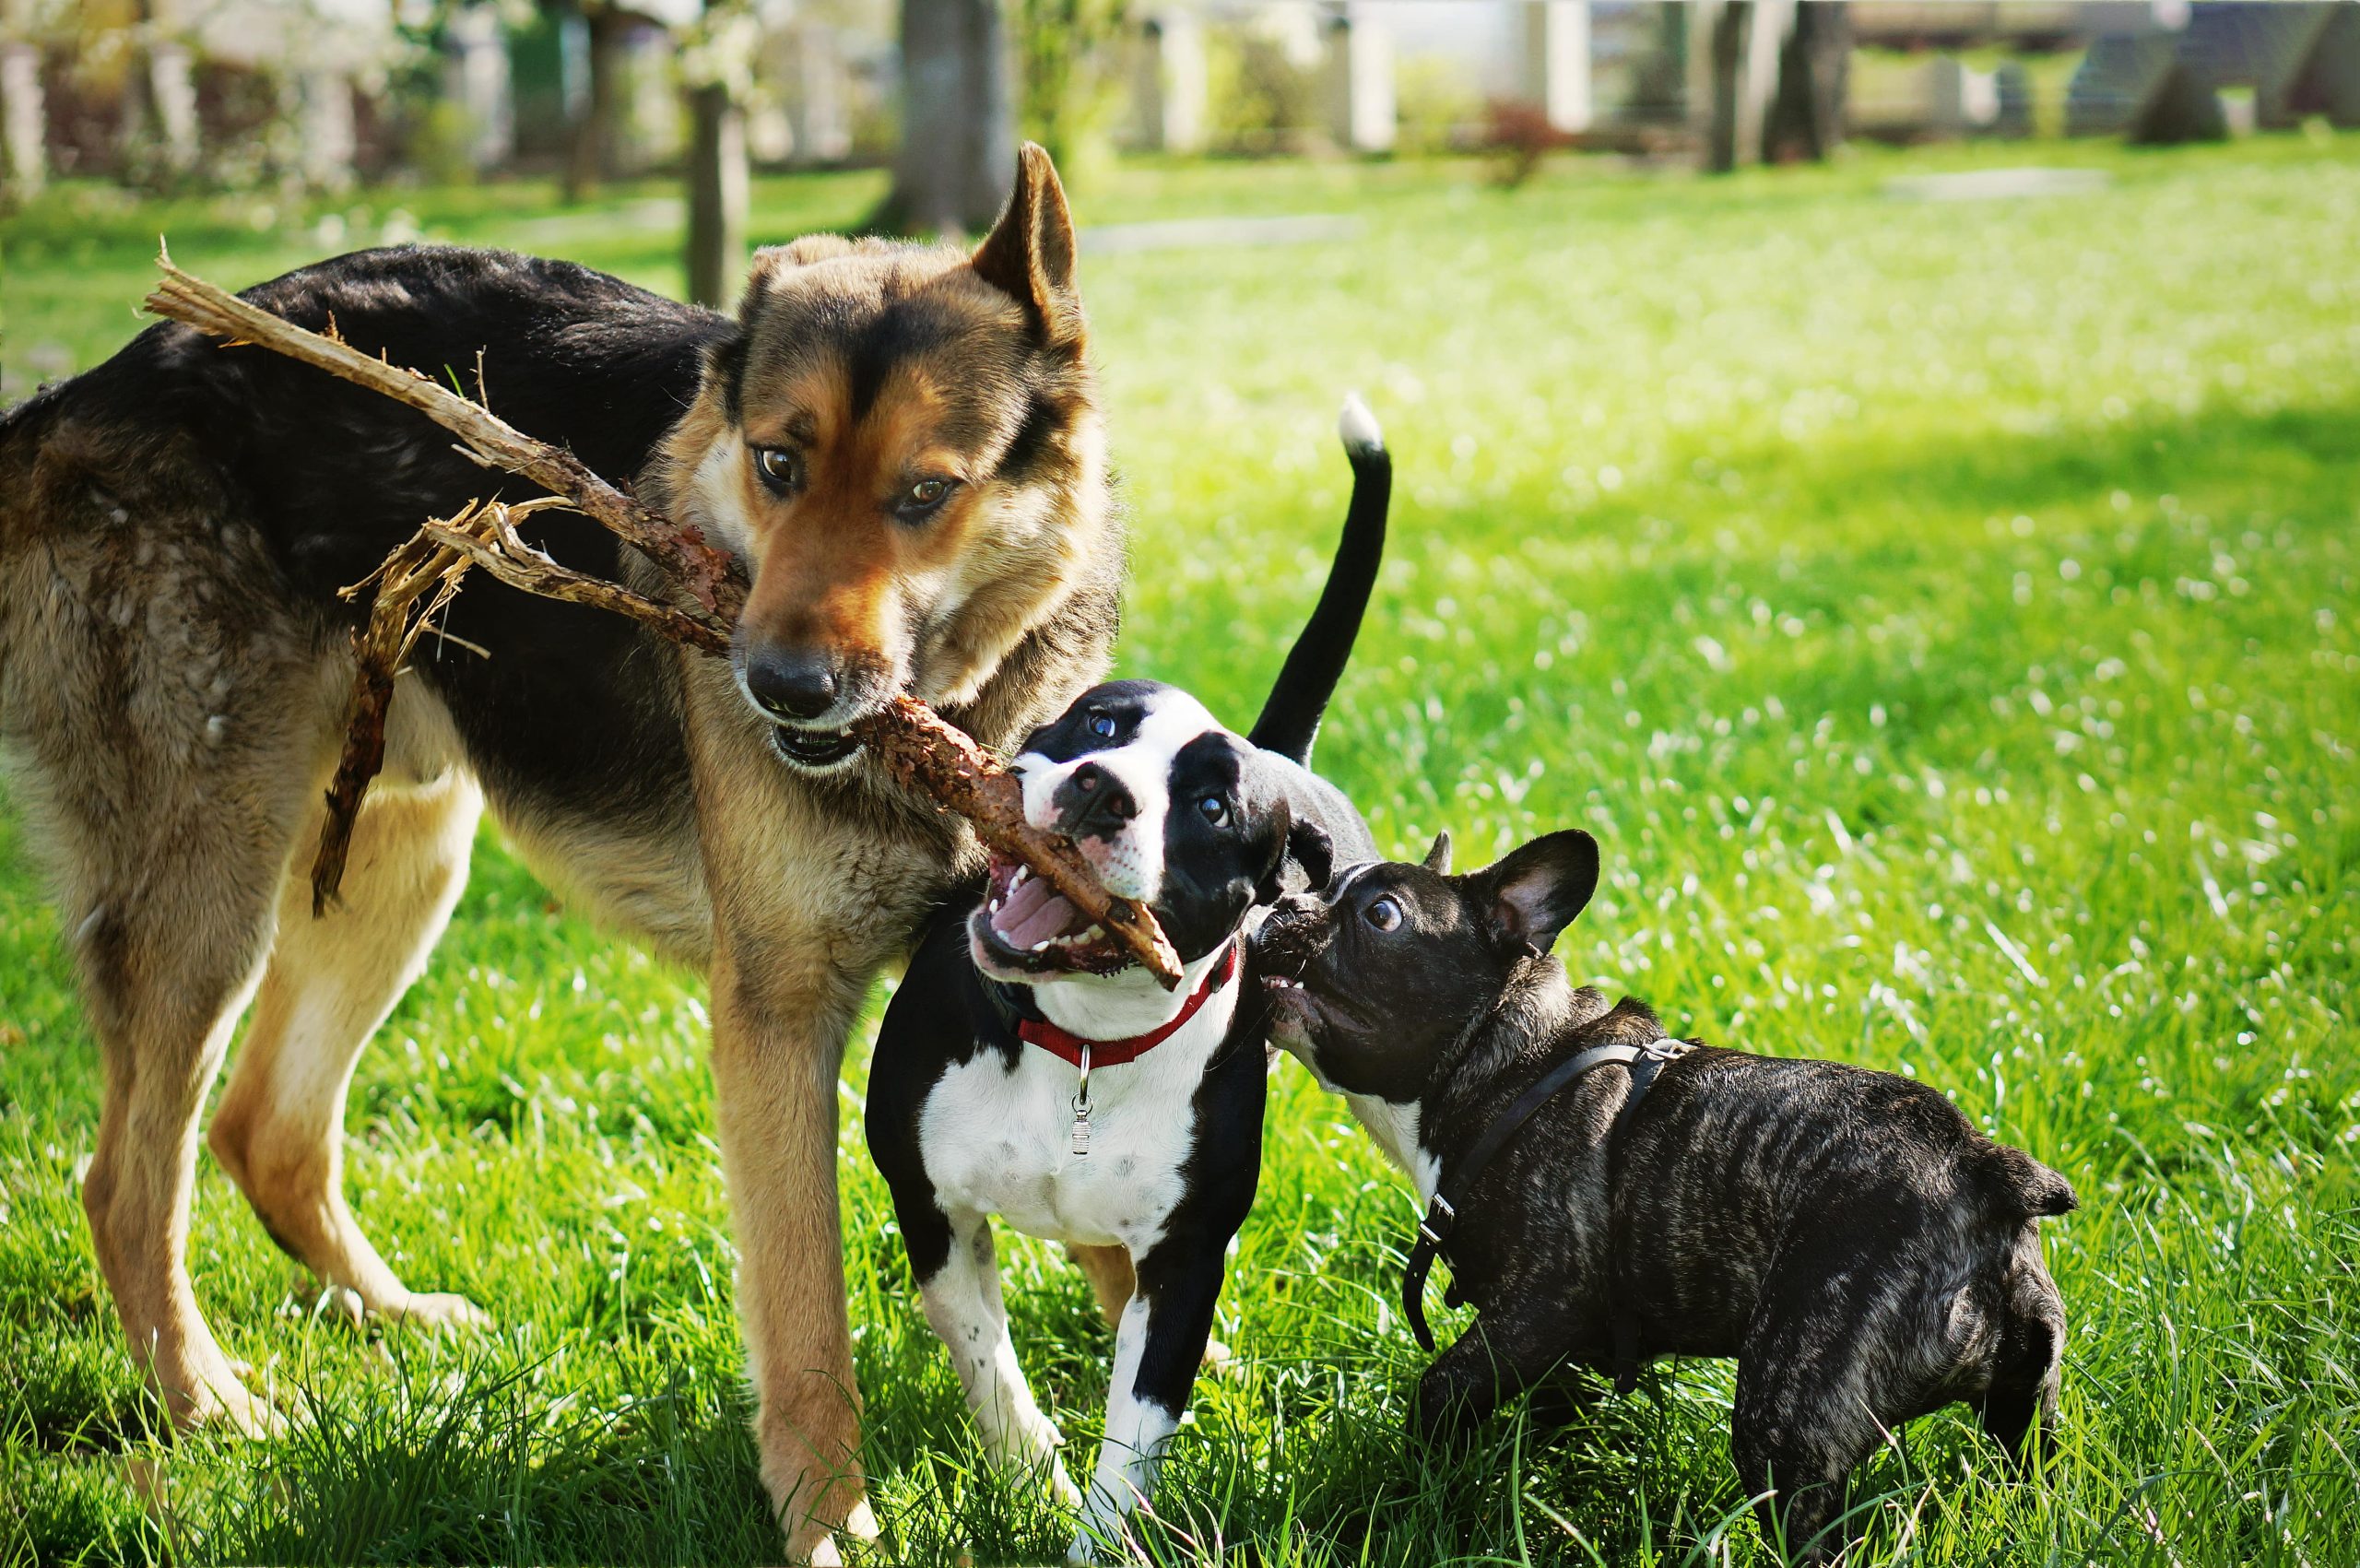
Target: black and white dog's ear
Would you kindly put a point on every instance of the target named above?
(1438, 855)
(1535, 890)
(1310, 848)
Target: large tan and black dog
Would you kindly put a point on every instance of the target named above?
(904, 445)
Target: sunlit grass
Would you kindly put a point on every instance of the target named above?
(1944, 617)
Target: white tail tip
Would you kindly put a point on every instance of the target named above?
(1358, 427)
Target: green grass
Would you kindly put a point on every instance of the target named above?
(1944, 616)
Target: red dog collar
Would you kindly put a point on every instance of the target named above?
(1070, 1046)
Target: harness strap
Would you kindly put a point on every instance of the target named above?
(1451, 1193)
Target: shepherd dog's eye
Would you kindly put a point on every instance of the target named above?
(921, 499)
(1383, 914)
(780, 469)
(1103, 726)
(1215, 810)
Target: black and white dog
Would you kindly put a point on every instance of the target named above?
(1026, 1070)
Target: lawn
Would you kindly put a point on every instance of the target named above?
(1943, 614)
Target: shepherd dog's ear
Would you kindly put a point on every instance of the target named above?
(724, 366)
(1535, 890)
(1028, 253)
(1438, 855)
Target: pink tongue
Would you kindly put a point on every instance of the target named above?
(1033, 913)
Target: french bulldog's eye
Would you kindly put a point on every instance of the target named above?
(1383, 914)
(1215, 809)
(782, 470)
(1102, 726)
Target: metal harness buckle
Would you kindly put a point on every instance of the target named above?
(1436, 1225)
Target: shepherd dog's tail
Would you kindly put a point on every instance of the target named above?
(1289, 720)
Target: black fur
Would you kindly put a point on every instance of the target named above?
(574, 711)
(1864, 1252)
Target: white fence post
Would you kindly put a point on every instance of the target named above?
(24, 126)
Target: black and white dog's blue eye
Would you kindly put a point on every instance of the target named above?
(1102, 726)
(780, 469)
(1383, 914)
(1215, 809)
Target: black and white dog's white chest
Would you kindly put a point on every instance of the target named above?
(997, 1132)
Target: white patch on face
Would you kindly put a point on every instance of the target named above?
(716, 493)
(1131, 864)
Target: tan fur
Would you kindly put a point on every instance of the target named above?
(1112, 1279)
(172, 725)
(279, 1131)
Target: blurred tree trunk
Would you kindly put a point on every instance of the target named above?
(717, 182)
(160, 123)
(590, 151)
(24, 119)
(1728, 46)
(1807, 117)
(958, 118)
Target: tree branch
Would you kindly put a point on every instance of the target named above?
(919, 750)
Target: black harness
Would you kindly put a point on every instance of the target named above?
(1451, 1192)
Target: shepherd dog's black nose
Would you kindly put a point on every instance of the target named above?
(1093, 800)
(791, 683)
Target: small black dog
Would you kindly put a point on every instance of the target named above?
(1864, 1252)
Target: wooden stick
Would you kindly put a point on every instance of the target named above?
(919, 748)
(932, 756)
(709, 576)
(416, 569)
(489, 540)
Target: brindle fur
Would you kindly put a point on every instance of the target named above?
(1865, 1254)
(173, 661)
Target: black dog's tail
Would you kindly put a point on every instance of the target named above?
(1289, 720)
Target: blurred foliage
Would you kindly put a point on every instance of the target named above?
(1070, 56)
(1947, 615)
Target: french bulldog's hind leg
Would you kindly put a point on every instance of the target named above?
(1800, 1427)
(2025, 1369)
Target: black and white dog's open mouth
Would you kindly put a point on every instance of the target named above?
(818, 749)
(1027, 924)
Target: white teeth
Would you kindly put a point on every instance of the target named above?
(1038, 946)
(1023, 875)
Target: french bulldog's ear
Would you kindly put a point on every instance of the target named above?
(1535, 890)
(1029, 252)
(1309, 847)
(1271, 888)
(1438, 855)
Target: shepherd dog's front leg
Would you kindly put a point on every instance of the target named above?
(780, 1015)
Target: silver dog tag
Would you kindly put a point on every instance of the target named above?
(1082, 1106)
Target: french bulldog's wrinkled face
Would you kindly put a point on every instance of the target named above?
(1169, 808)
(1372, 979)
